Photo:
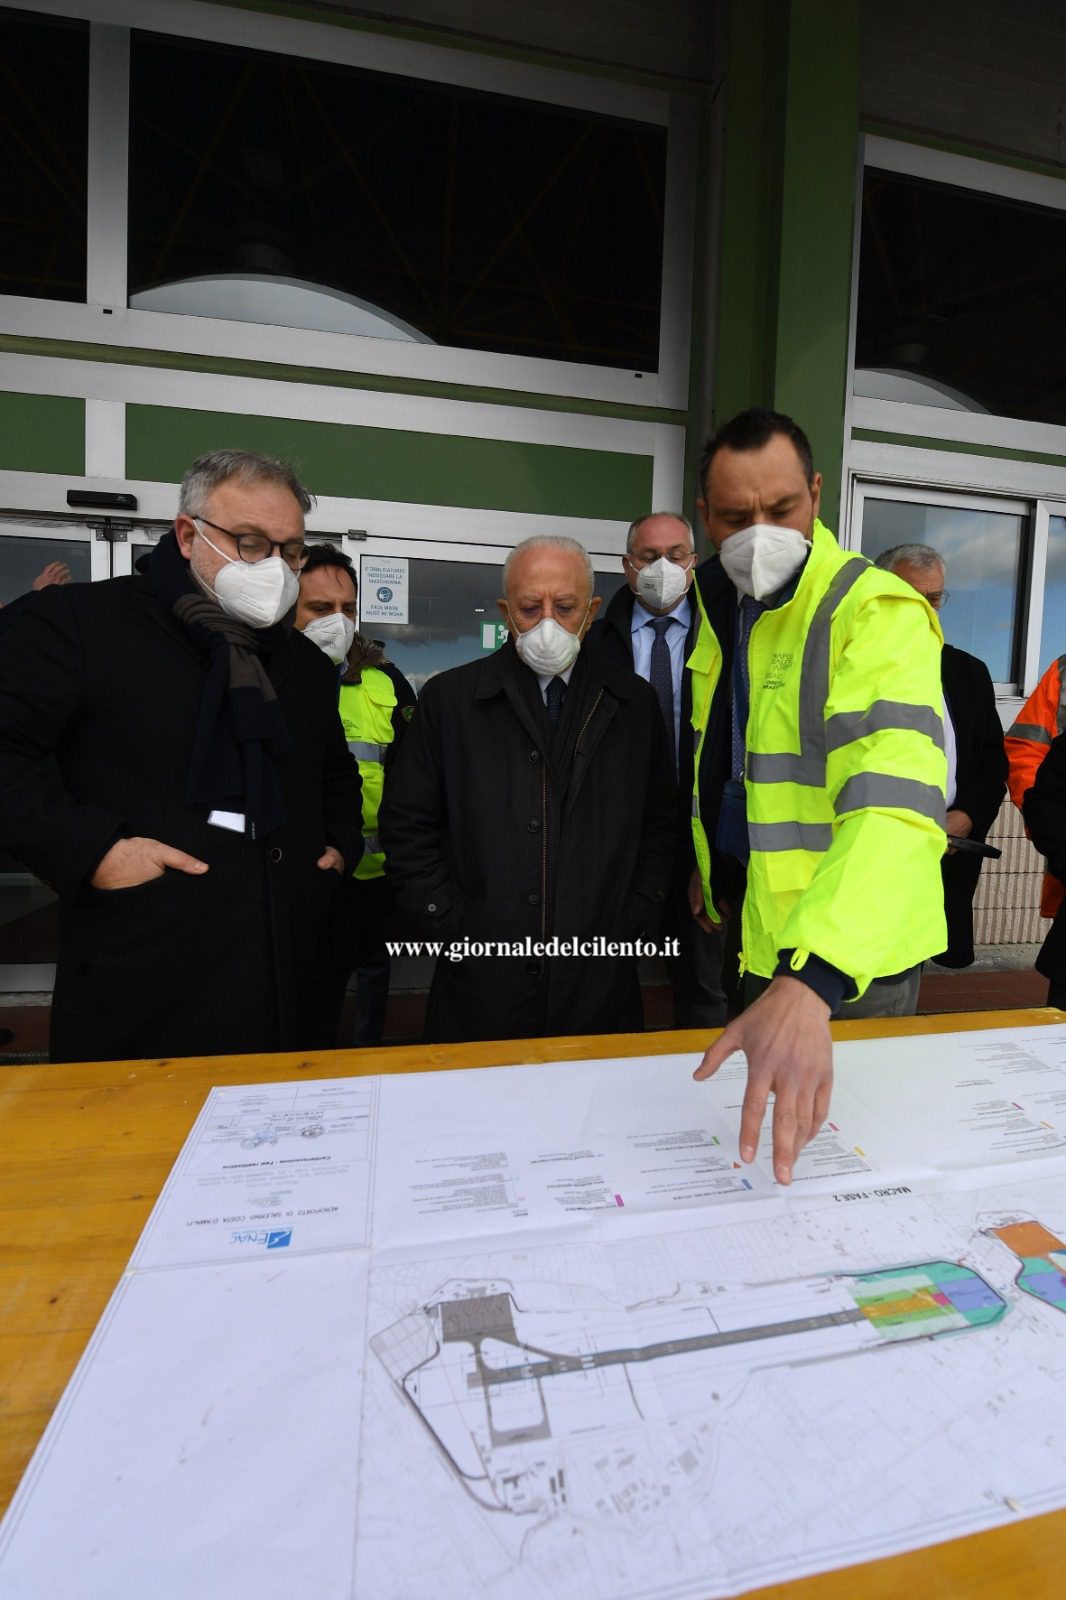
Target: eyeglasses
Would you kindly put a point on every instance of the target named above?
(938, 598)
(253, 547)
(680, 558)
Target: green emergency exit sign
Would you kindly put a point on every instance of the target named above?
(493, 634)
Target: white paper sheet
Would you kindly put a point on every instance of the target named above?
(477, 1153)
(536, 1332)
(965, 1101)
(694, 1409)
(206, 1445)
(268, 1168)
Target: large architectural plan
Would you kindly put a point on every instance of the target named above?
(535, 1332)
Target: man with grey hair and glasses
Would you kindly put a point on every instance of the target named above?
(977, 758)
(532, 805)
(172, 763)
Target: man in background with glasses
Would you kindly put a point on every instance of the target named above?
(651, 626)
(172, 763)
(977, 759)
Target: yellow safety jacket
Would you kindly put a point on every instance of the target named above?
(366, 710)
(844, 771)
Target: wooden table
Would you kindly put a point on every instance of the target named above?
(85, 1150)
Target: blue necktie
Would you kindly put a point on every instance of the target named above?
(662, 676)
(553, 701)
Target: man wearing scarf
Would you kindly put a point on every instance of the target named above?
(172, 764)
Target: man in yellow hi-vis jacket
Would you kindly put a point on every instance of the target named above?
(375, 702)
(832, 718)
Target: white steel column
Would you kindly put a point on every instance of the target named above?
(109, 95)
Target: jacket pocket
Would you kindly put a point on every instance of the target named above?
(129, 892)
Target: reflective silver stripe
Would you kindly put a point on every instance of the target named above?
(814, 670)
(1029, 730)
(882, 717)
(362, 751)
(768, 836)
(371, 844)
(898, 794)
(786, 768)
(696, 806)
(808, 768)
(1060, 713)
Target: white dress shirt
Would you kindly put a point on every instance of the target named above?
(951, 751)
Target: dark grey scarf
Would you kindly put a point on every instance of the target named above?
(241, 730)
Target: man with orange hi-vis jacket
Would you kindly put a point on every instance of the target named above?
(1028, 740)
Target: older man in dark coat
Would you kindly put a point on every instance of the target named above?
(977, 757)
(201, 801)
(533, 800)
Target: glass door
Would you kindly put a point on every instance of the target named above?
(446, 596)
(33, 551)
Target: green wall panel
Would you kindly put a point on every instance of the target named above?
(751, 192)
(386, 464)
(42, 433)
(788, 206)
(919, 441)
(817, 227)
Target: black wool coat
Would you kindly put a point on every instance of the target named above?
(100, 691)
(719, 602)
(612, 633)
(494, 828)
(980, 784)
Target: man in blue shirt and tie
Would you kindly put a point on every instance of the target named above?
(652, 625)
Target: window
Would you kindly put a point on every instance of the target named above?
(308, 194)
(24, 559)
(1053, 620)
(44, 122)
(962, 299)
(450, 602)
(958, 408)
(983, 543)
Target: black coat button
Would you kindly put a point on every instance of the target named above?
(534, 756)
(533, 899)
(533, 825)
(275, 854)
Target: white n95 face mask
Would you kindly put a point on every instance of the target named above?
(759, 559)
(548, 648)
(661, 584)
(256, 592)
(333, 635)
